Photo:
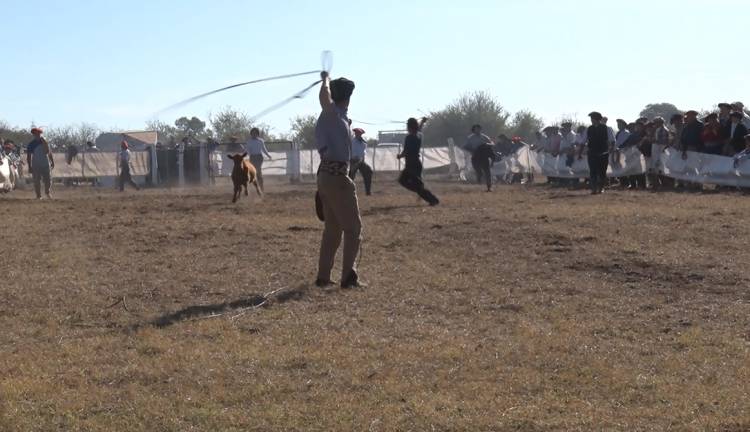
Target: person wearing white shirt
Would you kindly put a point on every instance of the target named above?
(568, 141)
(610, 131)
(358, 162)
(622, 134)
(123, 160)
(568, 148)
(255, 149)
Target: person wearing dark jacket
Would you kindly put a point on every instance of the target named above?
(692, 134)
(480, 146)
(598, 153)
(691, 139)
(411, 176)
(734, 133)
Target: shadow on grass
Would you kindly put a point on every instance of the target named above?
(200, 311)
(389, 209)
(192, 312)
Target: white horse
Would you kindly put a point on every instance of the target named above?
(8, 174)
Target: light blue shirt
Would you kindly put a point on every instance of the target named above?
(622, 137)
(39, 157)
(255, 147)
(333, 136)
(474, 140)
(359, 148)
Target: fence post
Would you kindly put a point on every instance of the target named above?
(452, 169)
(203, 162)
(312, 162)
(296, 163)
(181, 165)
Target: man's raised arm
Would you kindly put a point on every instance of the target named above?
(326, 102)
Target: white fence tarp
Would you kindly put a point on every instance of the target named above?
(627, 162)
(305, 162)
(697, 167)
(99, 164)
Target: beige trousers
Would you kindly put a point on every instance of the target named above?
(341, 210)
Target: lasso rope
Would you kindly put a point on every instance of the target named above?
(326, 60)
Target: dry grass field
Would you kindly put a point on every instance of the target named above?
(526, 309)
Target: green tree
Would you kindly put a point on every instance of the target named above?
(455, 120)
(232, 123)
(525, 124)
(166, 134)
(192, 127)
(303, 131)
(663, 109)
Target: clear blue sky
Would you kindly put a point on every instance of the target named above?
(115, 63)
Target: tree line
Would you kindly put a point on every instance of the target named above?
(453, 121)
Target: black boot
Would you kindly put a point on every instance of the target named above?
(352, 281)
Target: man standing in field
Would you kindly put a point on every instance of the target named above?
(336, 190)
(123, 161)
(40, 162)
(358, 162)
(480, 147)
(598, 156)
(255, 149)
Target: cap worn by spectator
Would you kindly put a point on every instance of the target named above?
(36, 130)
(691, 113)
(725, 105)
(359, 131)
(595, 115)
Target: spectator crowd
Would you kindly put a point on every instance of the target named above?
(725, 133)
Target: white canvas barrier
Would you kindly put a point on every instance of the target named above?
(704, 168)
(293, 163)
(99, 164)
(622, 164)
(698, 167)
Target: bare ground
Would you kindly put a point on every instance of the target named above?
(527, 309)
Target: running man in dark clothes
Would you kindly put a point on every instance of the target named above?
(411, 176)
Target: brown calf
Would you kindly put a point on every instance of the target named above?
(242, 174)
